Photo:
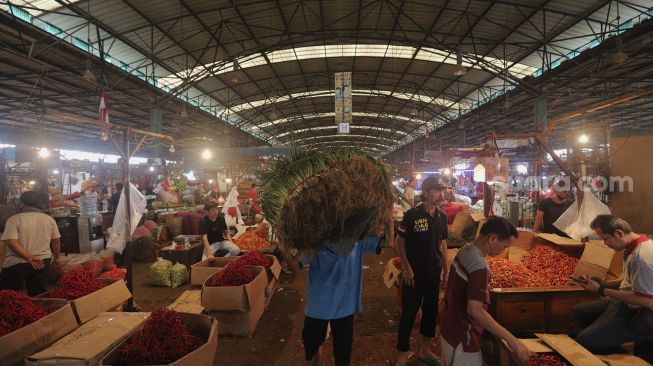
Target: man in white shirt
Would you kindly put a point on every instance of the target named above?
(624, 314)
(32, 240)
(409, 193)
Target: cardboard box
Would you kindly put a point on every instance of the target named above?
(201, 326)
(623, 360)
(188, 302)
(234, 298)
(463, 220)
(240, 323)
(90, 342)
(598, 260)
(561, 344)
(104, 299)
(392, 275)
(17, 345)
(559, 240)
(200, 271)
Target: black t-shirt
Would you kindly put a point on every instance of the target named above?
(214, 230)
(114, 200)
(552, 211)
(423, 234)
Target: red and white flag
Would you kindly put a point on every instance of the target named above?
(104, 116)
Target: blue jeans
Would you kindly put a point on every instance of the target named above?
(606, 324)
(232, 248)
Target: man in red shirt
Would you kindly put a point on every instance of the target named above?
(463, 314)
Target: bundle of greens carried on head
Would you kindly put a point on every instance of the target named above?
(332, 198)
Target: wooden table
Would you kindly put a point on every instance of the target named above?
(187, 257)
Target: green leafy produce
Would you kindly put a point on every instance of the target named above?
(160, 273)
(178, 275)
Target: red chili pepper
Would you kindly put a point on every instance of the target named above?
(547, 359)
(75, 284)
(505, 273)
(254, 258)
(553, 263)
(397, 263)
(162, 339)
(17, 310)
(234, 274)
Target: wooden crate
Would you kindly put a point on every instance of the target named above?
(524, 311)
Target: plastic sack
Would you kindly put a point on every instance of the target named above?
(178, 275)
(575, 222)
(118, 237)
(160, 273)
(231, 211)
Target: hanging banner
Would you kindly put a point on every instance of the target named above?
(343, 97)
(343, 128)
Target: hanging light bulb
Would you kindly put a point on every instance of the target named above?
(44, 152)
(206, 154)
(414, 112)
(620, 56)
(459, 70)
(88, 75)
(172, 148)
(583, 139)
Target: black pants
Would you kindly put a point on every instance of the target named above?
(12, 278)
(425, 294)
(342, 329)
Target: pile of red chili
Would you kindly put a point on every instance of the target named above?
(17, 310)
(553, 263)
(547, 359)
(75, 284)
(506, 273)
(162, 339)
(234, 274)
(397, 263)
(254, 258)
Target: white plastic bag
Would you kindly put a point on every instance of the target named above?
(118, 237)
(231, 211)
(575, 222)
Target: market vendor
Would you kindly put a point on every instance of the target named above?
(423, 250)
(550, 209)
(334, 295)
(115, 198)
(464, 313)
(32, 240)
(215, 233)
(625, 313)
(409, 193)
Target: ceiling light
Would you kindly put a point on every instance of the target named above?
(418, 176)
(44, 152)
(32, 182)
(152, 168)
(206, 154)
(172, 148)
(235, 79)
(55, 172)
(583, 139)
(522, 169)
(447, 171)
(459, 69)
(273, 115)
(88, 75)
(228, 180)
(210, 181)
(414, 112)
